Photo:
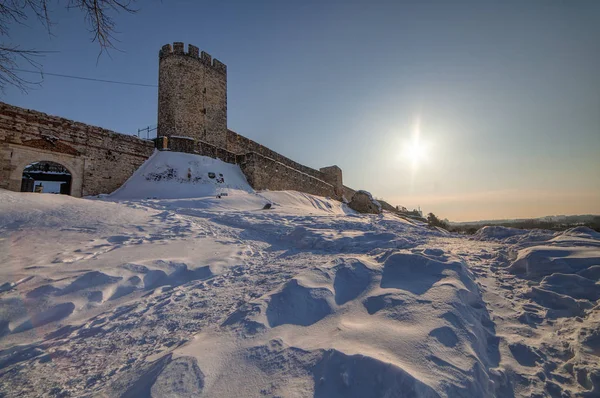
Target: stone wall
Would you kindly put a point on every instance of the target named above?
(176, 144)
(265, 173)
(192, 95)
(348, 192)
(239, 144)
(261, 172)
(99, 160)
(332, 175)
(189, 145)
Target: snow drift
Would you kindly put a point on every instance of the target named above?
(200, 296)
(167, 175)
(559, 302)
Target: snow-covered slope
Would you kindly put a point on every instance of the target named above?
(282, 202)
(167, 175)
(200, 296)
(551, 327)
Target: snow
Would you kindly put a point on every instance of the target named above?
(498, 232)
(169, 175)
(164, 290)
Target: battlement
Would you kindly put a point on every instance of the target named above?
(193, 52)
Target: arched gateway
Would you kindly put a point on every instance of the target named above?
(30, 164)
(46, 177)
(97, 160)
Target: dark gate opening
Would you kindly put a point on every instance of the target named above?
(46, 177)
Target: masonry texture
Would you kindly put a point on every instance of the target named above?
(99, 160)
(192, 95)
(192, 118)
(266, 173)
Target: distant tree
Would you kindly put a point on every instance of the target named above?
(96, 13)
(434, 221)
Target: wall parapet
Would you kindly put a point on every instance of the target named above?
(239, 144)
(266, 173)
(178, 49)
(190, 145)
(47, 125)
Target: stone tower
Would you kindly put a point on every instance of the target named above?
(192, 95)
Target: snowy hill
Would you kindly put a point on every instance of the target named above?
(167, 175)
(192, 295)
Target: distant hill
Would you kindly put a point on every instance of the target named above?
(559, 219)
(556, 223)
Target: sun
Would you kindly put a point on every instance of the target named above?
(415, 151)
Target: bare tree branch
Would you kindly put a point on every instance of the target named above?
(9, 57)
(98, 15)
(100, 23)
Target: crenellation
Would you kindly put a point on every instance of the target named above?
(193, 51)
(206, 58)
(178, 48)
(220, 66)
(165, 50)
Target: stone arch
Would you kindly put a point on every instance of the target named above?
(22, 156)
(53, 177)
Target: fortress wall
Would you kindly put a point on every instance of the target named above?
(100, 160)
(261, 172)
(265, 173)
(192, 118)
(240, 144)
(177, 144)
(206, 149)
(190, 145)
(348, 192)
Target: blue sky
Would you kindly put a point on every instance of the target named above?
(506, 94)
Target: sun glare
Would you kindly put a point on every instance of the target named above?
(415, 151)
